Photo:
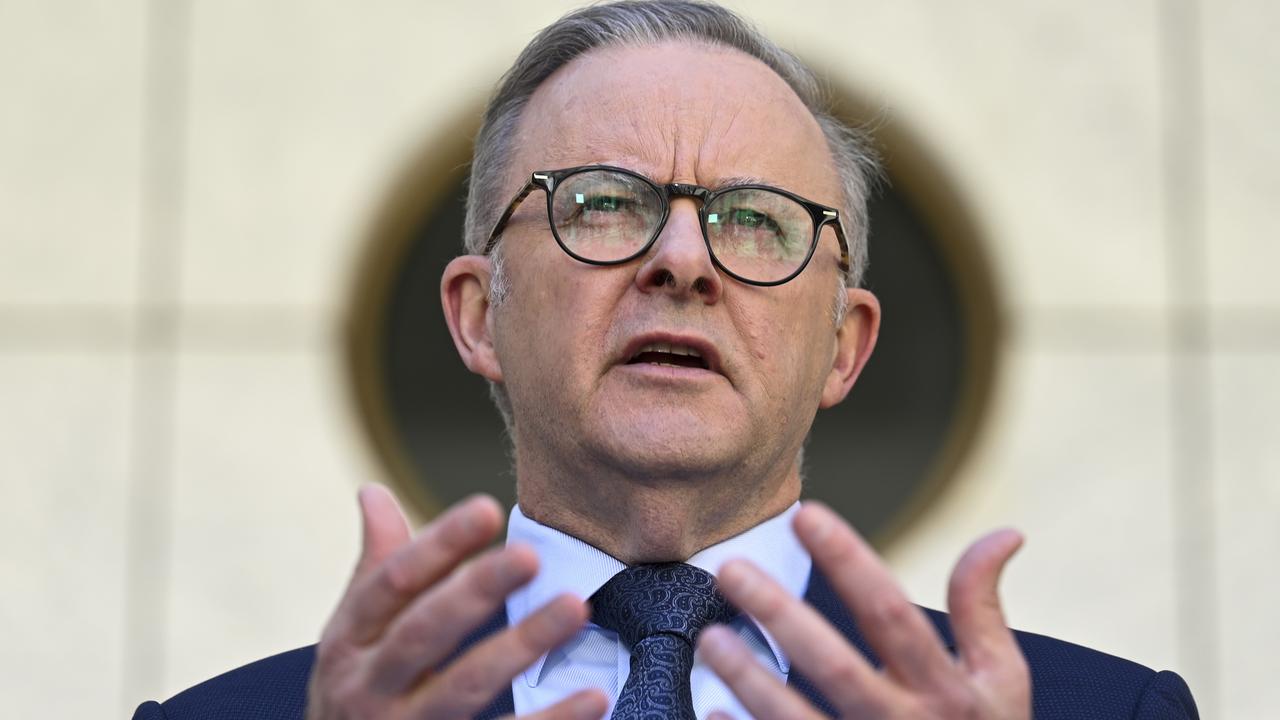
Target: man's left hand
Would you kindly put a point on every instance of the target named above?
(920, 679)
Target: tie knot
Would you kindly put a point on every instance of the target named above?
(671, 598)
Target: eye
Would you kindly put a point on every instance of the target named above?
(599, 207)
(751, 219)
(602, 203)
(756, 224)
(598, 197)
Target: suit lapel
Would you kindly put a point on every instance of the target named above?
(823, 598)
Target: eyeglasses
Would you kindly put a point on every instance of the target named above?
(604, 215)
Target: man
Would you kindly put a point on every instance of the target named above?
(667, 300)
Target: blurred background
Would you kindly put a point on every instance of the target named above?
(222, 225)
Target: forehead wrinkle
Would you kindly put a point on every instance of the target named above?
(609, 137)
(671, 130)
(776, 152)
(784, 156)
(716, 141)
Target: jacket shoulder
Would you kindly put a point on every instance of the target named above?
(1064, 673)
(1073, 681)
(274, 688)
(1068, 681)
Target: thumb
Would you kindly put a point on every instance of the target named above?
(383, 526)
(974, 601)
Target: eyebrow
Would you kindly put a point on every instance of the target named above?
(735, 180)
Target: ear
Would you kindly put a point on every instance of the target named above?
(464, 295)
(855, 339)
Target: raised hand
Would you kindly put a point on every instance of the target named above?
(920, 679)
(411, 600)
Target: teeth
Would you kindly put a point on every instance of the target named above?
(670, 349)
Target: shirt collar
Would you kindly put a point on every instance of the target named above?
(578, 568)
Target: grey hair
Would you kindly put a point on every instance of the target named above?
(649, 22)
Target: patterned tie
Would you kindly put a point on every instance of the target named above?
(658, 611)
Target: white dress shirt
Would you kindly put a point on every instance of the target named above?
(595, 657)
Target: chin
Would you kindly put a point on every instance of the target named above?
(655, 446)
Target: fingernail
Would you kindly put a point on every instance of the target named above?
(471, 514)
(466, 518)
(510, 575)
(734, 577)
(714, 641)
(510, 570)
(565, 611)
(815, 525)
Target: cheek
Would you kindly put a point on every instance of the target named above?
(792, 347)
(768, 335)
(555, 320)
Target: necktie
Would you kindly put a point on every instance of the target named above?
(658, 611)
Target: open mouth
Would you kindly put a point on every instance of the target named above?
(669, 354)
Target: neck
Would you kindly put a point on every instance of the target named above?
(651, 520)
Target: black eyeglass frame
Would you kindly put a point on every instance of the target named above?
(548, 180)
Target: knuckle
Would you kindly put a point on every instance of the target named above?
(449, 535)
(398, 576)
(770, 606)
(344, 700)
(332, 657)
(347, 697)
(482, 579)
(733, 670)
(840, 672)
(532, 637)
(487, 578)
(416, 637)
(1005, 667)
(953, 700)
(841, 549)
(469, 686)
(889, 610)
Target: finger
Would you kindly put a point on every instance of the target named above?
(372, 601)
(838, 669)
(901, 635)
(582, 705)
(977, 619)
(383, 524)
(759, 691)
(429, 630)
(471, 681)
(383, 528)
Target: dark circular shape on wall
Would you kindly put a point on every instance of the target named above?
(878, 458)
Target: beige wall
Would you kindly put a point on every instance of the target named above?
(185, 186)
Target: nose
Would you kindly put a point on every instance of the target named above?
(678, 264)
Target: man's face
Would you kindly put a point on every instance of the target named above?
(568, 337)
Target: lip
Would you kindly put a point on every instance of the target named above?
(704, 347)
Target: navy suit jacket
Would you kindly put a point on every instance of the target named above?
(1068, 682)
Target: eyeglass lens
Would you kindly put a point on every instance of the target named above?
(607, 216)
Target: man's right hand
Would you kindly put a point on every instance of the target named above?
(411, 600)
